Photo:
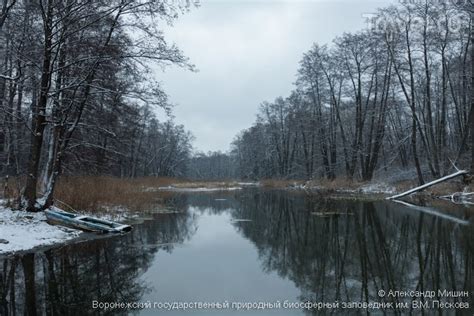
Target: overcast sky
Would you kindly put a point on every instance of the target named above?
(247, 52)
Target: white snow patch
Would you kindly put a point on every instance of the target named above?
(248, 184)
(371, 188)
(23, 230)
(296, 186)
(202, 189)
(378, 188)
(113, 213)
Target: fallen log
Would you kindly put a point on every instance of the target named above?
(434, 212)
(427, 185)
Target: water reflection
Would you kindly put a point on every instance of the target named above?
(360, 248)
(65, 280)
(329, 249)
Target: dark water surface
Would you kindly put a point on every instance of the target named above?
(253, 247)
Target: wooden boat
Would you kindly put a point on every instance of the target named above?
(87, 223)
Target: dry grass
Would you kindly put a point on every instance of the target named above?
(448, 187)
(91, 193)
(11, 188)
(98, 193)
(403, 186)
(443, 188)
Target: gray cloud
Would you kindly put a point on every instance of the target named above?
(247, 52)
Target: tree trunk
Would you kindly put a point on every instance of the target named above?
(39, 118)
(471, 113)
(413, 109)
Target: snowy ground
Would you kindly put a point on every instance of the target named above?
(378, 188)
(21, 230)
(114, 213)
(371, 188)
(206, 187)
(201, 189)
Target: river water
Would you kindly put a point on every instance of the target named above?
(251, 251)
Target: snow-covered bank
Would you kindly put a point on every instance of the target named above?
(367, 188)
(378, 188)
(371, 188)
(210, 186)
(20, 230)
(198, 189)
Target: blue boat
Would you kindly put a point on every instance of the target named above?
(84, 222)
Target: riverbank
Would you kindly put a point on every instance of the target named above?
(121, 199)
(20, 230)
(355, 188)
(107, 195)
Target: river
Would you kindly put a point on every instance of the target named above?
(254, 252)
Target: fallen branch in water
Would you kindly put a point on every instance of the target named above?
(434, 212)
(427, 185)
(460, 197)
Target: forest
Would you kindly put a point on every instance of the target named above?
(79, 96)
(393, 100)
(242, 157)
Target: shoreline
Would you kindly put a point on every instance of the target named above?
(21, 231)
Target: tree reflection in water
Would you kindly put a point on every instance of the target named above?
(67, 280)
(365, 247)
(348, 255)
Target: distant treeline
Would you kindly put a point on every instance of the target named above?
(214, 165)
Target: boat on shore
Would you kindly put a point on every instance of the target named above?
(84, 222)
